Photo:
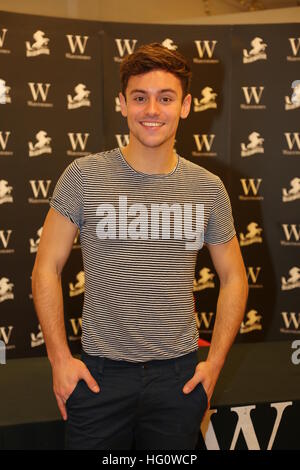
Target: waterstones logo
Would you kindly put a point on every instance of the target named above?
(293, 282)
(40, 190)
(162, 222)
(3, 32)
(292, 235)
(6, 289)
(34, 243)
(37, 339)
(41, 146)
(204, 281)
(255, 145)
(39, 46)
(204, 144)
(205, 49)
(205, 321)
(245, 427)
(293, 143)
(293, 193)
(291, 321)
(76, 327)
(5, 97)
(4, 136)
(253, 96)
(5, 192)
(124, 47)
(77, 45)
(122, 139)
(5, 236)
(250, 187)
(169, 44)
(39, 92)
(252, 236)
(252, 275)
(80, 99)
(256, 53)
(252, 322)
(208, 100)
(77, 140)
(5, 336)
(78, 287)
(295, 48)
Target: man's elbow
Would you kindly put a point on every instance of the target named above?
(42, 273)
(242, 280)
(36, 277)
(237, 283)
(36, 271)
(235, 277)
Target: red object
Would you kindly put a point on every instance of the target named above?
(203, 343)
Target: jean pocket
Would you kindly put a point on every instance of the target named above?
(75, 391)
(204, 394)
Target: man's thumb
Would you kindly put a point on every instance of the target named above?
(91, 383)
(191, 384)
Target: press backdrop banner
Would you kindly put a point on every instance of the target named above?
(51, 114)
(59, 85)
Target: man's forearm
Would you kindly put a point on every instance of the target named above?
(230, 313)
(48, 301)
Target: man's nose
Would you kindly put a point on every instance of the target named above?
(152, 107)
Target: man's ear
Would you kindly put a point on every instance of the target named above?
(186, 106)
(123, 104)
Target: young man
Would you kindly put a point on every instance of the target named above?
(143, 213)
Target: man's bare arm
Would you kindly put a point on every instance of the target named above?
(54, 249)
(228, 262)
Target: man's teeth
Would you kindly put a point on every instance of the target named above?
(152, 124)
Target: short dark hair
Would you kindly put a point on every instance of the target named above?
(154, 56)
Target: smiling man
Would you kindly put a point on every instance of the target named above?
(143, 213)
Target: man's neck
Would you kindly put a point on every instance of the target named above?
(160, 160)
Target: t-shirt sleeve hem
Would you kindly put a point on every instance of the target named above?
(222, 240)
(57, 206)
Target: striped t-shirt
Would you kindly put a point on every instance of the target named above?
(134, 230)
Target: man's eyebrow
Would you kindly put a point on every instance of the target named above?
(164, 90)
(136, 90)
(168, 90)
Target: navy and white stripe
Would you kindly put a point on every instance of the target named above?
(138, 302)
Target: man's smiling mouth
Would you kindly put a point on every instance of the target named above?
(152, 123)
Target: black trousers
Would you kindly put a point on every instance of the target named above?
(140, 405)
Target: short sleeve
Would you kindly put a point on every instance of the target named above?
(220, 227)
(67, 196)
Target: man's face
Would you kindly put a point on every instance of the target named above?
(153, 107)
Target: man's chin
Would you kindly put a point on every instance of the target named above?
(152, 143)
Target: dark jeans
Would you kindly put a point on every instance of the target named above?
(140, 404)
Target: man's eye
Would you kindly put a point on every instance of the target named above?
(166, 99)
(139, 99)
